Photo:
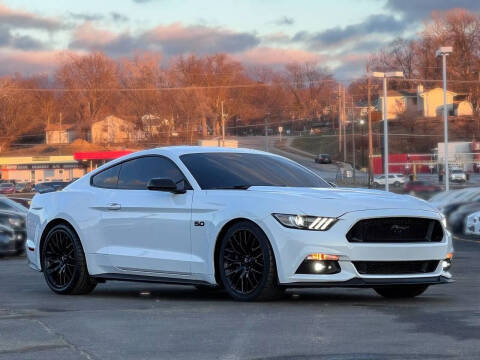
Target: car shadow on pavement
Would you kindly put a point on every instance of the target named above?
(364, 297)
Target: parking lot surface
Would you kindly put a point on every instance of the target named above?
(122, 320)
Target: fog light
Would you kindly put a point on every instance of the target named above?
(318, 266)
(323, 267)
(446, 264)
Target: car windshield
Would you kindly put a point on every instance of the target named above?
(242, 170)
(5, 185)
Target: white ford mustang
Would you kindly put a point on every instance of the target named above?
(250, 222)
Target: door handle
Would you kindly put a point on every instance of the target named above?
(114, 206)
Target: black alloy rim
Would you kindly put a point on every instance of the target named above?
(60, 259)
(244, 262)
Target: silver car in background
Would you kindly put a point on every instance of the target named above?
(12, 227)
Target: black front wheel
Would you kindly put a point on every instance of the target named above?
(63, 262)
(401, 291)
(247, 264)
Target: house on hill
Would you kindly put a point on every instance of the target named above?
(426, 103)
(60, 133)
(115, 130)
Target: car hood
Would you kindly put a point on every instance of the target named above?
(339, 201)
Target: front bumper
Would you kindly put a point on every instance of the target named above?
(292, 246)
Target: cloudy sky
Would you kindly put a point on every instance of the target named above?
(35, 34)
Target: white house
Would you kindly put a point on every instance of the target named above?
(114, 130)
(60, 134)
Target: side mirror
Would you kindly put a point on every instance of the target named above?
(167, 185)
(332, 184)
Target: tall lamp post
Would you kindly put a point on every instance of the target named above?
(385, 76)
(444, 51)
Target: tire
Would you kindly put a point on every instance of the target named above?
(401, 291)
(247, 264)
(63, 262)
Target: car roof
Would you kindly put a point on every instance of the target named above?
(182, 150)
(176, 151)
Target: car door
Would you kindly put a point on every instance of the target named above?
(148, 231)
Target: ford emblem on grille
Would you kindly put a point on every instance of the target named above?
(399, 228)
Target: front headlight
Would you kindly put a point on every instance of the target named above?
(443, 220)
(15, 222)
(305, 222)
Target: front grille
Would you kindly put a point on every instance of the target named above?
(395, 267)
(396, 229)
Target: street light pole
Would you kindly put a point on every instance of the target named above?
(444, 52)
(385, 133)
(223, 127)
(385, 76)
(353, 147)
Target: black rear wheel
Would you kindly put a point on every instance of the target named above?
(401, 291)
(247, 264)
(63, 262)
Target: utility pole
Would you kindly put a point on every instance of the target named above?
(344, 128)
(339, 118)
(353, 145)
(266, 131)
(223, 127)
(370, 138)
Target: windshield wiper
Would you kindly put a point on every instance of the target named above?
(234, 187)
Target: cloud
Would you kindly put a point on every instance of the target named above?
(285, 20)
(30, 62)
(276, 56)
(374, 24)
(24, 42)
(117, 17)
(176, 39)
(26, 20)
(86, 16)
(173, 39)
(417, 10)
(350, 66)
(90, 38)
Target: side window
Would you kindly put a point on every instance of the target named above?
(136, 173)
(107, 178)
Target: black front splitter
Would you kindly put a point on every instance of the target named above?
(368, 283)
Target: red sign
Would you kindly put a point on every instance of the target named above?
(100, 155)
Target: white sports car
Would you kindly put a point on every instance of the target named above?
(250, 222)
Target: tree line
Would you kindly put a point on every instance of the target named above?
(186, 96)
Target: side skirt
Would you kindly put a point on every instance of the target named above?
(150, 279)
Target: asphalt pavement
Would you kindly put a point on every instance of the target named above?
(121, 320)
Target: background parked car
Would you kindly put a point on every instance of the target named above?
(464, 221)
(50, 186)
(421, 187)
(12, 227)
(23, 187)
(393, 179)
(323, 159)
(458, 175)
(7, 188)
